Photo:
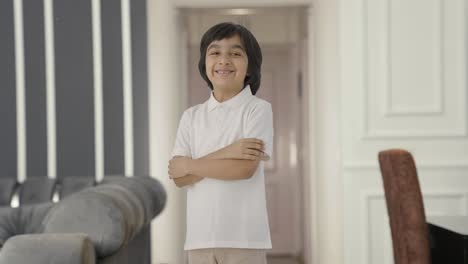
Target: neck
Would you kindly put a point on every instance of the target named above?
(223, 94)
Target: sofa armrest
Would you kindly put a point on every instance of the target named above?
(48, 249)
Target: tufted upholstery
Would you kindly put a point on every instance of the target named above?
(70, 185)
(36, 190)
(68, 248)
(112, 216)
(7, 187)
(405, 207)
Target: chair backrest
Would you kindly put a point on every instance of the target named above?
(405, 207)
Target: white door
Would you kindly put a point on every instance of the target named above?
(279, 86)
(404, 85)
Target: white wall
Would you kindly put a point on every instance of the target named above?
(403, 84)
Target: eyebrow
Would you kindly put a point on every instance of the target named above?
(236, 46)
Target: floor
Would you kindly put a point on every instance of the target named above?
(282, 260)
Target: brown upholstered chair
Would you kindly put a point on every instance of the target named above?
(405, 207)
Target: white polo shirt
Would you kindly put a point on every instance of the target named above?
(227, 214)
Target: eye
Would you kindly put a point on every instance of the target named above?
(214, 53)
(236, 54)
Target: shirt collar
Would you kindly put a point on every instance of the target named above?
(233, 102)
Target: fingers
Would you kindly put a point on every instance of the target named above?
(253, 152)
(252, 140)
(262, 156)
(250, 157)
(265, 157)
(256, 146)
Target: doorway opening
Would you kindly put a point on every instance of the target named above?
(282, 35)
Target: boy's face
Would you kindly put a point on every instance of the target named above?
(226, 64)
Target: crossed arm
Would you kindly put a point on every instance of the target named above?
(234, 162)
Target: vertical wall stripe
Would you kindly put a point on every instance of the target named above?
(35, 88)
(8, 135)
(127, 86)
(140, 88)
(112, 87)
(74, 88)
(98, 101)
(50, 88)
(20, 94)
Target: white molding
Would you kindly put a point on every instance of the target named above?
(366, 198)
(165, 106)
(50, 88)
(369, 165)
(238, 3)
(436, 109)
(127, 88)
(20, 91)
(372, 195)
(98, 91)
(370, 133)
(392, 134)
(387, 243)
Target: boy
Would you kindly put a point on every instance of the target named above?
(218, 153)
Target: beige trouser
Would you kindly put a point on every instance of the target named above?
(227, 256)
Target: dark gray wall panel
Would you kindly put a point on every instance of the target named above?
(112, 87)
(74, 88)
(35, 88)
(8, 150)
(140, 87)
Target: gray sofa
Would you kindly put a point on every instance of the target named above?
(104, 223)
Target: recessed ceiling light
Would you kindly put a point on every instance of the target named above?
(240, 11)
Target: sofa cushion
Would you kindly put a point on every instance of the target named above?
(22, 220)
(149, 191)
(91, 213)
(128, 203)
(48, 249)
(36, 190)
(7, 187)
(73, 184)
(7, 224)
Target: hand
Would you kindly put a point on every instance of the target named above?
(178, 167)
(246, 148)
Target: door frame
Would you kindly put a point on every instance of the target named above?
(323, 217)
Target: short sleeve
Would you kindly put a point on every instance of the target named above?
(182, 141)
(260, 125)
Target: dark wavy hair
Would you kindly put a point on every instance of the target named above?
(250, 44)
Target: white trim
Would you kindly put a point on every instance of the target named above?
(239, 3)
(50, 88)
(438, 107)
(311, 194)
(388, 110)
(424, 164)
(127, 87)
(98, 100)
(367, 196)
(165, 107)
(20, 91)
(325, 148)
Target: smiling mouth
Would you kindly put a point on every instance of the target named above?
(224, 72)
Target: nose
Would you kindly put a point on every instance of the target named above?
(224, 60)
